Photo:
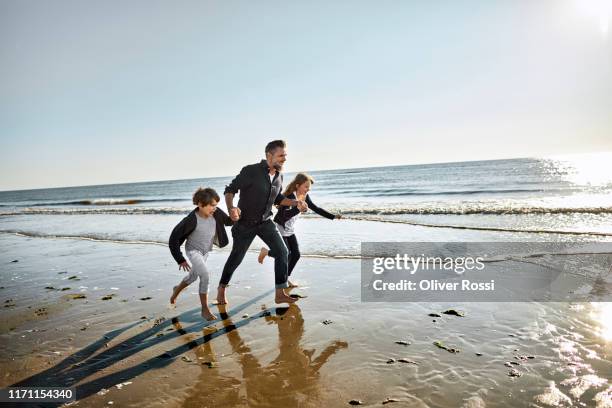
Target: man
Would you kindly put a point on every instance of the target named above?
(260, 188)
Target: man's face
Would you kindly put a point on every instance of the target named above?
(277, 158)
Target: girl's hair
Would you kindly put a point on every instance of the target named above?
(300, 178)
(205, 196)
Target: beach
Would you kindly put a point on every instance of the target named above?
(87, 275)
(326, 350)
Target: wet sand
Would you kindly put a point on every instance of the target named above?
(327, 350)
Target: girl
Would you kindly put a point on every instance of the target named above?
(286, 216)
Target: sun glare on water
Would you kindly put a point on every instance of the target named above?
(602, 313)
(594, 169)
(600, 10)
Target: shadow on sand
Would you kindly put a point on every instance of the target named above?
(82, 364)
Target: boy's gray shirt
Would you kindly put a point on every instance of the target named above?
(201, 239)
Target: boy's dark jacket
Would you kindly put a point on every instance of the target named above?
(188, 224)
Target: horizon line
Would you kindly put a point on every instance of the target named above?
(313, 171)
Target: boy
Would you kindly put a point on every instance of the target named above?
(203, 226)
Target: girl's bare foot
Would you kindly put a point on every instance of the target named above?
(207, 315)
(263, 252)
(221, 299)
(291, 284)
(175, 293)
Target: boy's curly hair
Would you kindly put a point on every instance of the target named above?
(205, 196)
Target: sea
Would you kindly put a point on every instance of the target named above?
(565, 198)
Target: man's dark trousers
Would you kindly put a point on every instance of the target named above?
(244, 233)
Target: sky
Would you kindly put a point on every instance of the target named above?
(100, 92)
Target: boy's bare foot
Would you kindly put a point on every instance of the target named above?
(221, 299)
(175, 293)
(263, 252)
(291, 284)
(282, 297)
(207, 315)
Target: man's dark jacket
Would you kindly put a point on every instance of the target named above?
(257, 193)
(188, 224)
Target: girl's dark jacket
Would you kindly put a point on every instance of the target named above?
(284, 213)
(188, 224)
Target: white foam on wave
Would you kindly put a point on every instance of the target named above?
(371, 218)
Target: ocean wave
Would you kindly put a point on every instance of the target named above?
(469, 209)
(476, 209)
(484, 228)
(84, 237)
(370, 215)
(393, 192)
(100, 201)
(93, 211)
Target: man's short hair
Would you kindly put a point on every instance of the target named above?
(273, 145)
(205, 196)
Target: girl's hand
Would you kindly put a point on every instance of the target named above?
(184, 266)
(302, 206)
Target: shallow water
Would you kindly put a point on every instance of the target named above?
(264, 355)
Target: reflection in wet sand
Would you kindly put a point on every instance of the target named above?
(291, 379)
(211, 388)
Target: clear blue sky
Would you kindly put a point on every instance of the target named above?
(116, 91)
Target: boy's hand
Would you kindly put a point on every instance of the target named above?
(184, 266)
(234, 214)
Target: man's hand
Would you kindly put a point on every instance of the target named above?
(184, 266)
(302, 206)
(234, 213)
(338, 216)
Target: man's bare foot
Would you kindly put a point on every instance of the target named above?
(291, 284)
(222, 312)
(263, 252)
(221, 299)
(206, 314)
(282, 297)
(175, 293)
